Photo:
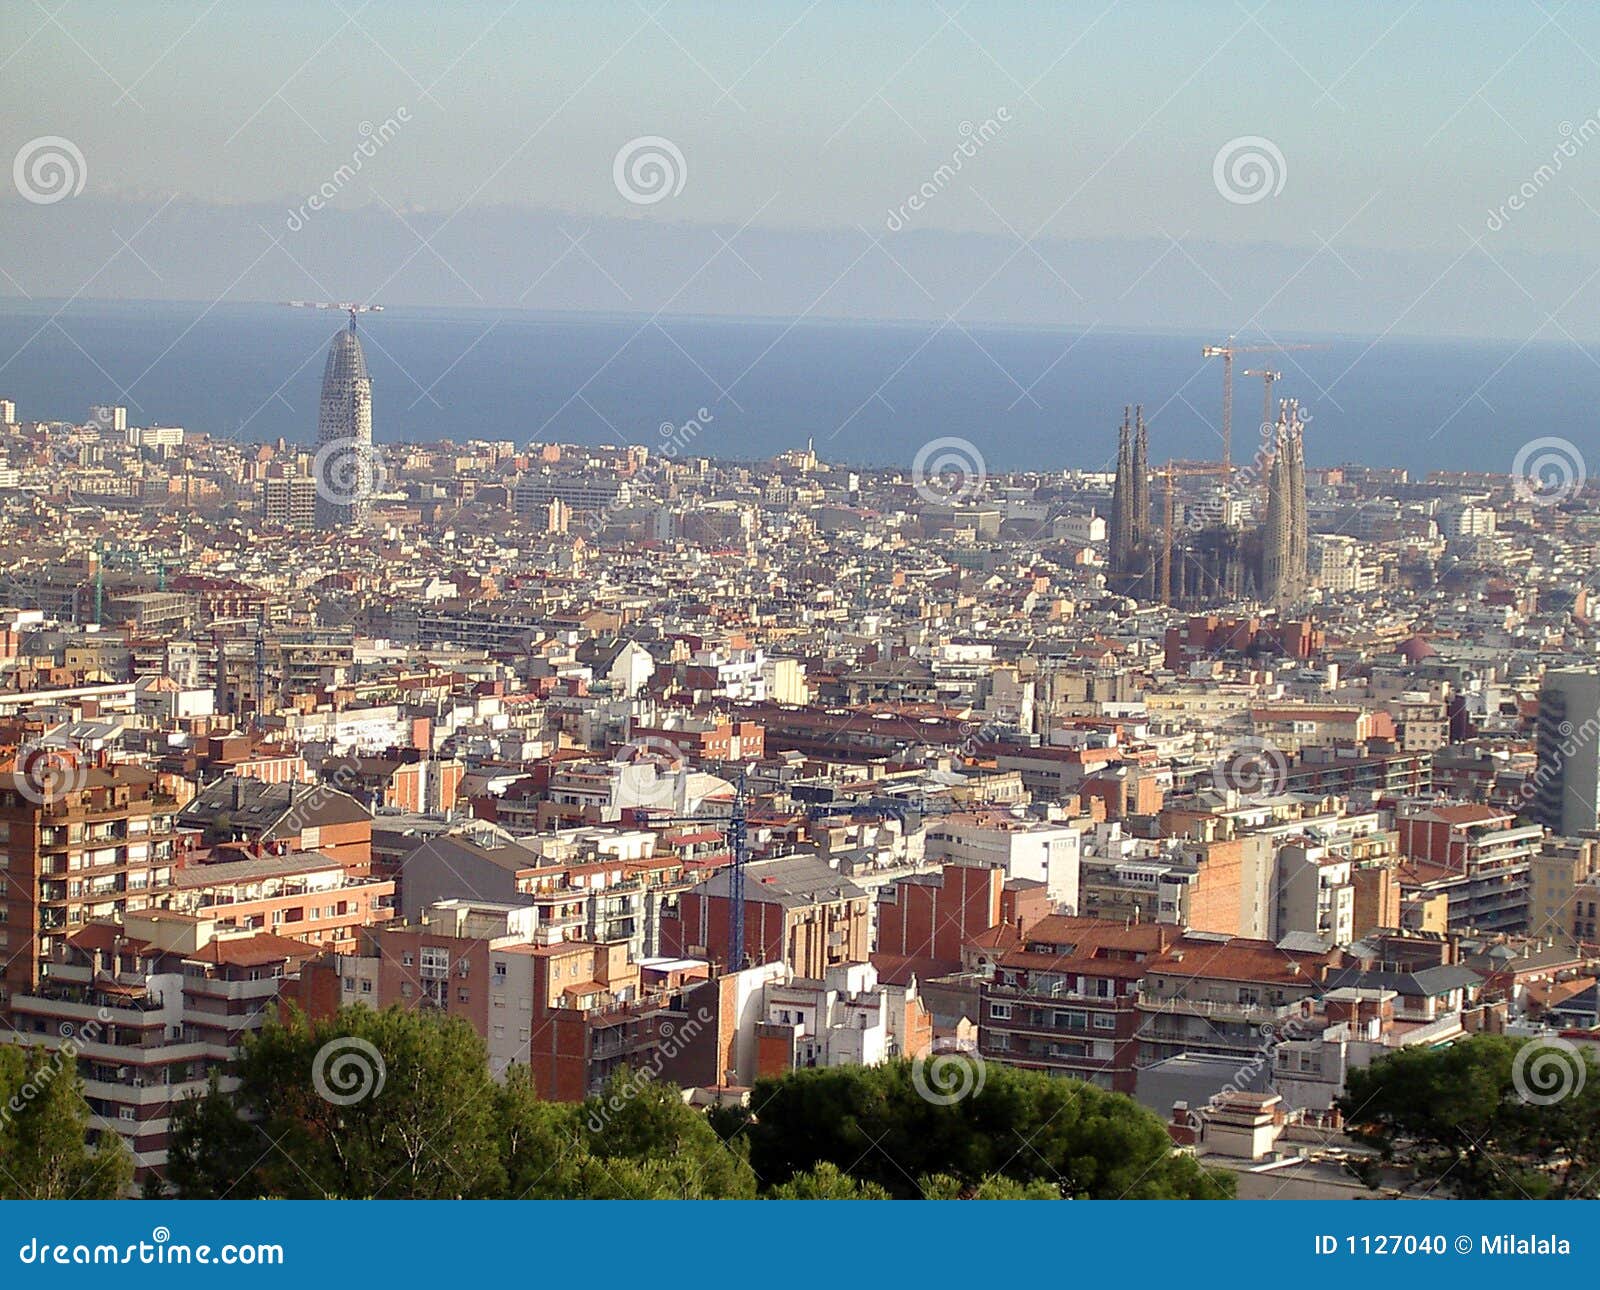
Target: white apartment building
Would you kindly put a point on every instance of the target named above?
(1047, 853)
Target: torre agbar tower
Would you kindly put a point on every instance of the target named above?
(344, 461)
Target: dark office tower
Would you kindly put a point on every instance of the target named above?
(344, 462)
(1566, 784)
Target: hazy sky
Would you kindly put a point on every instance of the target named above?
(1392, 137)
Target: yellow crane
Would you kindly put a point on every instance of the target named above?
(1226, 353)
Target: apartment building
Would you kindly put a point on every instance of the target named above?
(926, 921)
(847, 1018)
(705, 739)
(1477, 856)
(1561, 888)
(798, 912)
(1212, 997)
(1022, 848)
(81, 842)
(153, 1004)
(1066, 1000)
(287, 816)
(305, 895)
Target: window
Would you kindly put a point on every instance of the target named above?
(124, 1113)
(407, 959)
(406, 990)
(463, 996)
(1069, 1020)
(500, 969)
(499, 1032)
(1105, 1021)
(1000, 1011)
(366, 987)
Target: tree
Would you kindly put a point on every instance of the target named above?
(638, 1119)
(541, 1147)
(826, 1182)
(1012, 1124)
(1491, 1117)
(391, 1104)
(45, 1127)
(994, 1187)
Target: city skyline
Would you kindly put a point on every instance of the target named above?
(674, 600)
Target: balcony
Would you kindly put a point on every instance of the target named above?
(85, 997)
(1251, 1013)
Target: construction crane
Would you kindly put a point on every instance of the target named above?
(1268, 376)
(1226, 353)
(735, 832)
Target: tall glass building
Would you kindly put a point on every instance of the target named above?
(344, 465)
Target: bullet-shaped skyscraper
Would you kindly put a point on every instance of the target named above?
(344, 462)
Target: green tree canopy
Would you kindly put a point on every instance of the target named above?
(45, 1127)
(364, 1104)
(875, 1123)
(1489, 1117)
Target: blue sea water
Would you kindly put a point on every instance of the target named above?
(867, 393)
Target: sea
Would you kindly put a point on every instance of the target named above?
(865, 393)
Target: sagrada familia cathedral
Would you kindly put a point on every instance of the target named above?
(1214, 560)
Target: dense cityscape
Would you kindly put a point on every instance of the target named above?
(1238, 800)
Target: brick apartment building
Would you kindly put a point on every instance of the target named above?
(1212, 996)
(798, 912)
(98, 848)
(303, 894)
(403, 781)
(1477, 856)
(926, 921)
(1066, 1000)
(707, 739)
